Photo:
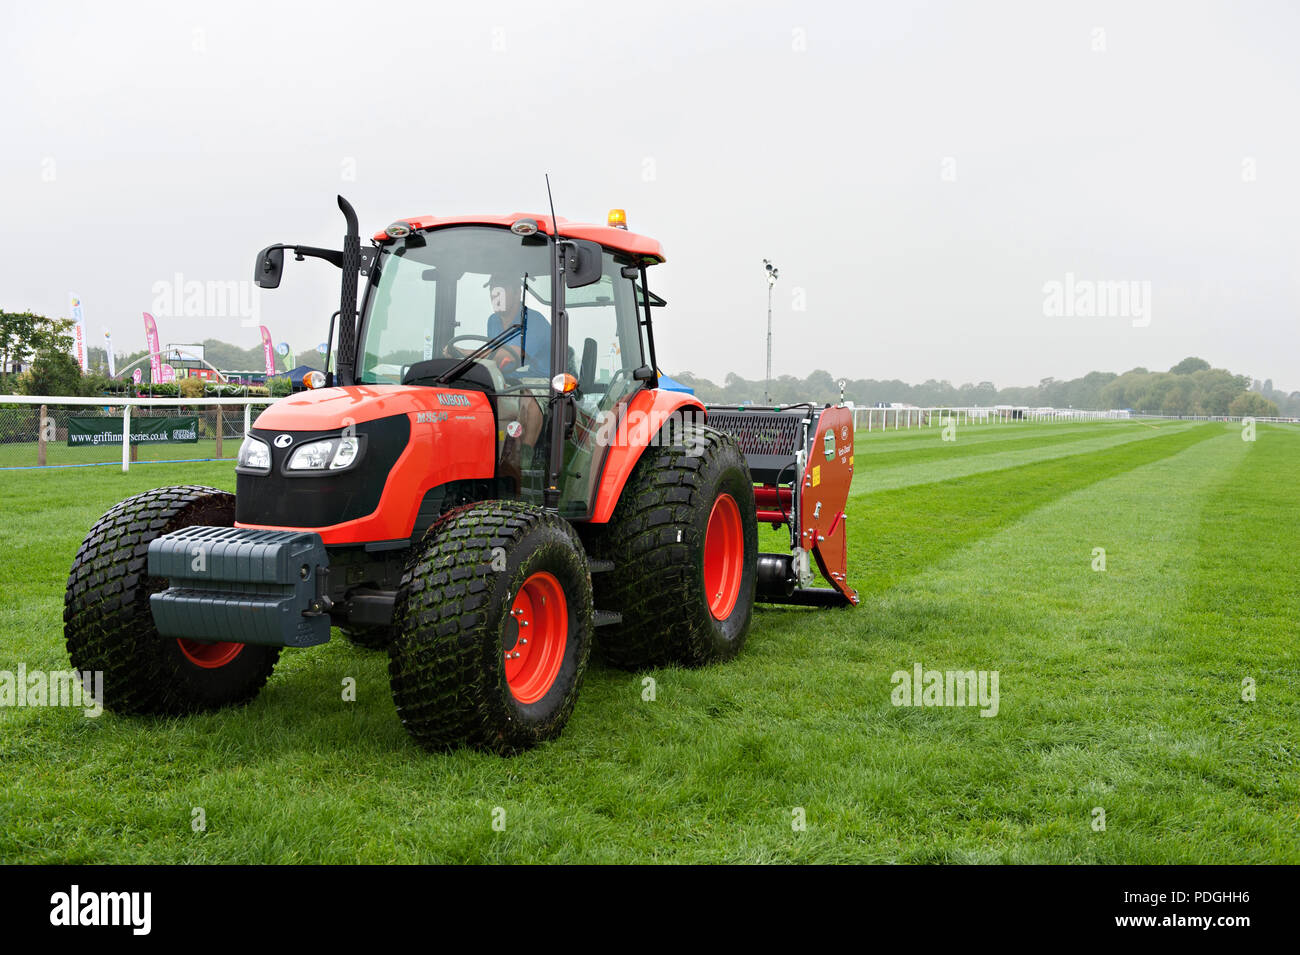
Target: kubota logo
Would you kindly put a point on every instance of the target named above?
(453, 400)
(283, 440)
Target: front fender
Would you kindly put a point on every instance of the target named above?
(645, 415)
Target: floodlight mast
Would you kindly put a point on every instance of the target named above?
(772, 273)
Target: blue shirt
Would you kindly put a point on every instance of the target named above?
(538, 344)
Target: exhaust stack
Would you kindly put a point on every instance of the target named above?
(347, 355)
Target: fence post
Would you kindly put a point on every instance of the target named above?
(126, 438)
(221, 426)
(40, 439)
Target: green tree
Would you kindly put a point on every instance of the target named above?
(1251, 405)
(1189, 365)
(24, 334)
(54, 372)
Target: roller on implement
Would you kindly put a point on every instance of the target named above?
(801, 460)
(488, 483)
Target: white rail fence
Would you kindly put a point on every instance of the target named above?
(897, 419)
(51, 431)
(39, 432)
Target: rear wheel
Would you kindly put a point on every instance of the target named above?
(684, 542)
(109, 626)
(493, 621)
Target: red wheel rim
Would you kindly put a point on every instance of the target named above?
(724, 557)
(539, 625)
(209, 655)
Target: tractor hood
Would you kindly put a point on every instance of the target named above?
(328, 409)
(414, 441)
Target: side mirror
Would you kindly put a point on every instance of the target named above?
(269, 267)
(582, 262)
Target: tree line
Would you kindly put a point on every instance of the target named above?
(1191, 387)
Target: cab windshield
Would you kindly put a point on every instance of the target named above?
(444, 293)
(456, 287)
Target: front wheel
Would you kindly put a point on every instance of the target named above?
(493, 622)
(108, 623)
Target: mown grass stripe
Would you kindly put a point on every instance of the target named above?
(885, 451)
(897, 533)
(960, 465)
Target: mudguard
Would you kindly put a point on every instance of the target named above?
(643, 418)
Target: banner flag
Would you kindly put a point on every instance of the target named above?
(151, 339)
(267, 352)
(78, 332)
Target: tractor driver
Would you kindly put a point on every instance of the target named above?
(521, 413)
(532, 345)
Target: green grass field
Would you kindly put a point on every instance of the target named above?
(1121, 690)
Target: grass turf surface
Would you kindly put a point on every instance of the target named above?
(1119, 690)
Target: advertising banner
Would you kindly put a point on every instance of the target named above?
(151, 339)
(95, 432)
(267, 351)
(78, 331)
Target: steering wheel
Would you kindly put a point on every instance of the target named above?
(507, 354)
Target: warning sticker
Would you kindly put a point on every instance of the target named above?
(817, 474)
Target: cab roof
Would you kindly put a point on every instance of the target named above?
(641, 247)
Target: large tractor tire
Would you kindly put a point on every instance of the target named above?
(493, 622)
(684, 542)
(109, 627)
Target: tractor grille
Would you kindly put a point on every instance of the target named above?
(321, 498)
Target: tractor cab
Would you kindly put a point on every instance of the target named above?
(473, 306)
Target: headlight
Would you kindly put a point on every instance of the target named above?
(332, 454)
(255, 454)
(348, 450)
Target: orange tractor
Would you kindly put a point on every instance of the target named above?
(489, 476)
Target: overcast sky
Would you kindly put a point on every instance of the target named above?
(920, 173)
